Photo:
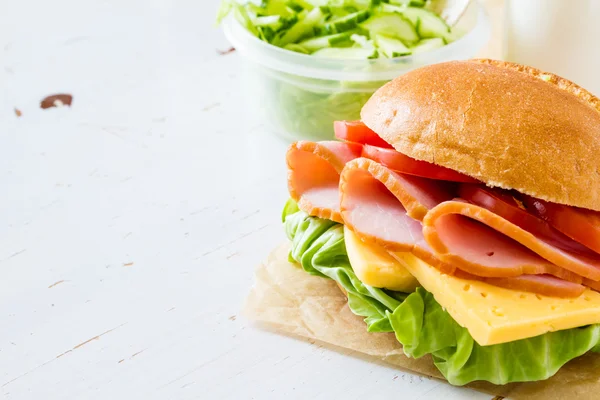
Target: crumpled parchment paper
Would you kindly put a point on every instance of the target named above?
(289, 300)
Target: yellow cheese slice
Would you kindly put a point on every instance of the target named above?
(374, 266)
(491, 314)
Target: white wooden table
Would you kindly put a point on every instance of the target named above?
(131, 222)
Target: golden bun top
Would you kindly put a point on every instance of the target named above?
(508, 125)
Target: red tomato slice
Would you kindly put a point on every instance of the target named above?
(357, 132)
(502, 203)
(406, 165)
(579, 224)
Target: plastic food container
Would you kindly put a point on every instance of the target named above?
(298, 96)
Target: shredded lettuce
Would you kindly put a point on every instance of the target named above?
(422, 326)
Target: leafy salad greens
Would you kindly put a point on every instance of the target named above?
(419, 322)
(348, 29)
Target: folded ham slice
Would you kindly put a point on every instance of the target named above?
(480, 242)
(407, 213)
(592, 284)
(314, 174)
(384, 207)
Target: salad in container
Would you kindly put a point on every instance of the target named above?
(308, 63)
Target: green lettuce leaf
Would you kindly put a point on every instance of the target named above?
(422, 326)
(318, 245)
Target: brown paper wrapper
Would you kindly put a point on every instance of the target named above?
(289, 300)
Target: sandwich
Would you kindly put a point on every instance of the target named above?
(461, 214)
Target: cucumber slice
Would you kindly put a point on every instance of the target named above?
(294, 7)
(276, 7)
(390, 47)
(428, 24)
(392, 25)
(266, 33)
(316, 3)
(454, 35)
(428, 45)
(325, 41)
(255, 10)
(345, 10)
(244, 19)
(287, 22)
(349, 53)
(307, 5)
(392, 8)
(362, 41)
(414, 3)
(297, 48)
(345, 23)
(303, 28)
(225, 8)
(326, 10)
(361, 4)
(340, 40)
(272, 21)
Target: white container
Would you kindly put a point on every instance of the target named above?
(298, 96)
(556, 36)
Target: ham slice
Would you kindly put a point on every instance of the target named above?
(407, 213)
(314, 174)
(416, 195)
(485, 244)
(592, 284)
(376, 202)
(384, 207)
